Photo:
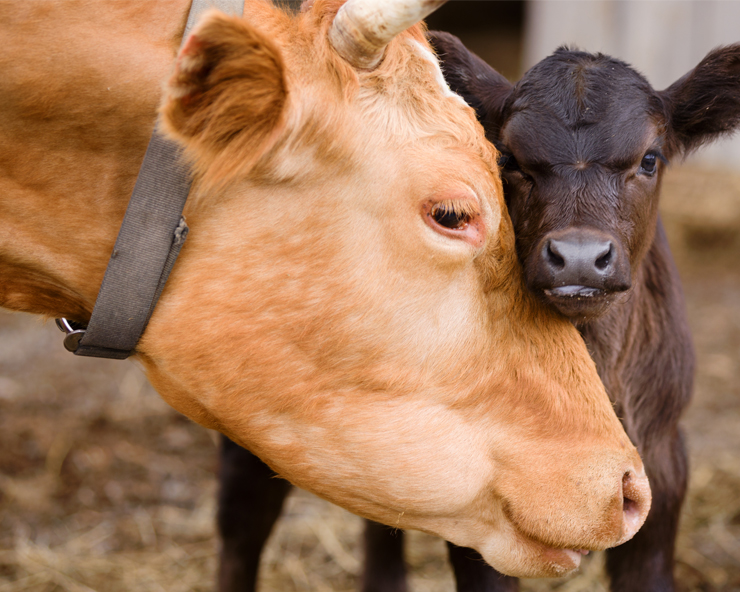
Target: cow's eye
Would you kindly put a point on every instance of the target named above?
(447, 215)
(456, 216)
(649, 163)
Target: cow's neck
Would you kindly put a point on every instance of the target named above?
(71, 144)
(57, 236)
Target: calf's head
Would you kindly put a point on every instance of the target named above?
(584, 141)
(349, 304)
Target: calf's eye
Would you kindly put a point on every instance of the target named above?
(648, 164)
(508, 162)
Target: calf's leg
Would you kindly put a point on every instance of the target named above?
(472, 574)
(645, 564)
(249, 503)
(385, 569)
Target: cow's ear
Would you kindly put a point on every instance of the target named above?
(225, 99)
(482, 87)
(705, 103)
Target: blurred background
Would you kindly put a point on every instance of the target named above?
(103, 487)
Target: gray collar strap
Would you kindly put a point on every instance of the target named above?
(150, 238)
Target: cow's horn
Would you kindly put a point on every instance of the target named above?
(362, 28)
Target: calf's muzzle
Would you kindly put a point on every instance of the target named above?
(579, 269)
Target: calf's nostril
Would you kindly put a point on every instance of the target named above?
(553, 257)
(604, 260)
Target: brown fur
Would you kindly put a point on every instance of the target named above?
(313, 316)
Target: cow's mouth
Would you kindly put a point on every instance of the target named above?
(578, 302)
(560, 561)
(553, 561)
(569, 559)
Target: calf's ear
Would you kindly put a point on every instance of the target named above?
(705, 103)
(225, 99)
(481, 86)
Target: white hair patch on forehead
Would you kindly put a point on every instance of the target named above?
(430, 57)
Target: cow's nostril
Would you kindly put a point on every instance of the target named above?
(635, 503)
(629, 506)
(553, 257)
(603, 262)
(630, 497)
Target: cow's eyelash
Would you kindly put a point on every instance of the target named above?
(459, 207)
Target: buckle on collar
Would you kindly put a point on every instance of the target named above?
(74, 333)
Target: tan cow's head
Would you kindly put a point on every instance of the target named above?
(349, 305)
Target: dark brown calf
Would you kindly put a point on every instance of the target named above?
(585, 140)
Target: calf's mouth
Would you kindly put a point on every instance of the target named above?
(577, 302)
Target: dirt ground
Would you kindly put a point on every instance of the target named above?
(103, 487)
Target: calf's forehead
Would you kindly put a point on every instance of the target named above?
(539, 139)
(580, 107)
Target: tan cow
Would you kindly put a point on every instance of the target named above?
(349, 305)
